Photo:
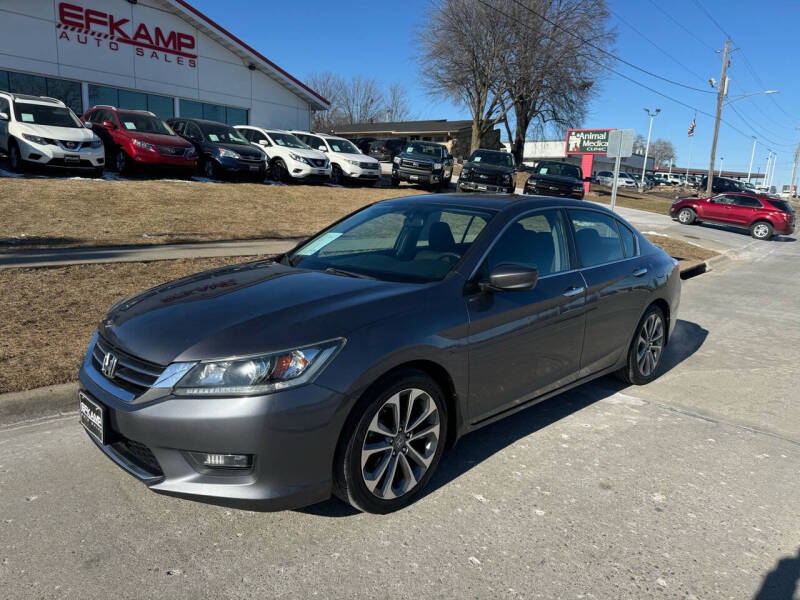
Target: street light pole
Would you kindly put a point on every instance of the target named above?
(721, 159)
(752, 154)
(792, 187)
(766, 171)
(647, 147)
(720, 98)
(772, 172)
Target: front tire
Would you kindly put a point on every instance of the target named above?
(122, 163)
(686, 216)
(762, 230)
(279, 171)
(646, 349)
(392, 443)
(15, 162)
(210, 170)
(395, 182)
(336, 175)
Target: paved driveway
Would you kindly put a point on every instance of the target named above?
(685, 488)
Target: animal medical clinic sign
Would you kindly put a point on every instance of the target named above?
(105, 31)
(586, 142)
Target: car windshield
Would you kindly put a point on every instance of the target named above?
(45, 114)
(342, 145)
(287, 140)
(217, 132)
(563, 170)
(433, 150)
(143, 123)
(409, 243)
(502, 159)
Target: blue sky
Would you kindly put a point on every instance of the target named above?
(376, 39)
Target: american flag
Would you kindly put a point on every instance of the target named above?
(691, 127)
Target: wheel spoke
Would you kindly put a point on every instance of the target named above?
(385, 489)
(418, 458)
(409, 479)
(376, 448)
(430, 408)
(372, 479)
(424, 432)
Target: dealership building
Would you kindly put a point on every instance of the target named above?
(158, 55)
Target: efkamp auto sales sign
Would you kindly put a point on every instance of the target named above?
(587, 141)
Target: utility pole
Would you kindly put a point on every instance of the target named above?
(723, 87)
(647, 147)
(752, 154)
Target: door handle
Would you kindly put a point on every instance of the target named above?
(640, 272)
(573, 291)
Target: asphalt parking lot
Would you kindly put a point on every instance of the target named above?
(685, 488)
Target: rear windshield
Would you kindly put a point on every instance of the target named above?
(45, 114)
(781, 205)
(143, 123)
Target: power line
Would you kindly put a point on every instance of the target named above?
(748, 65)
(761, 136)
(711, 17)
(599, 49)
(682, 26)
(652, 43)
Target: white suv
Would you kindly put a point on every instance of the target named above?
(289, 158)
(347, 161)
(36, 130)
(606, 178)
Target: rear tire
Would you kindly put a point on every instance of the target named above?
(646, 349)
(761, 230)
(392, 443)
(687, 216)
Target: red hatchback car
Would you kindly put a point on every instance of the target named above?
(762, 215)
(135, 138)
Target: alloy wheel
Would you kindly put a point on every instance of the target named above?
(400, 444)
(684, 216)
(761, 231)
(650, 344)
(120, 163)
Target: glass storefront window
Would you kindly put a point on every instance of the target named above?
(191, 109)
(99, 94)
(214, 112)
(22, 83)
(69, 92)
(236, 116)
(4, 81)
(160, 105)
(132, 100)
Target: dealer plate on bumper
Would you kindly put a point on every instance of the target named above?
(72, 158)
(93, 417)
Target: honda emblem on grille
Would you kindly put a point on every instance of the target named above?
(109, 366)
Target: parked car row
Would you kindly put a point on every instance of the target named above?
(43, 131)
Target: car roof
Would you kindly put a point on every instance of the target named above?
(30, 99)
(198, 121)
(495, 201)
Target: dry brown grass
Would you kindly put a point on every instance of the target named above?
(683, 251)
(58, 212)
(48, 315)
(652, 201)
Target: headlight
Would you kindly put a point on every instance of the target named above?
(396, 160)
(506, 178)
(36, 139)
(577, 188)
(228, 153)
(531, 182)
(96, 143)
(298, 158)
(437, 166)
(144, 145)
(353, 162)
(259, 374)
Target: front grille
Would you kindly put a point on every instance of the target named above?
(171, 150)
(416, 164)
(71, 146)
(251, 157)
(369, 165)
(132, 374)
(320, 163)
(139, 454)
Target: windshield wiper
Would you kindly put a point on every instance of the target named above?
(343, 273)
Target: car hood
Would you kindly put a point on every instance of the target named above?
(160, 139)
(248, 309)
(487, 168)
(419, 157)
(555, 179)
(244, 149)
(69, 134)
(356, 157)
(304, 152)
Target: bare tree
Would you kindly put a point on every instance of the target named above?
(462, 48)
(662, 152)
(639, 144)
(361, 100)
(329, 86)
(550, 73)
(397, 108)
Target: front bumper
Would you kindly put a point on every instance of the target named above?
(156, 159)
(243, 167)
(49, 155)
(291, 434)
(426, 177)
(306, 172)
(548, 191)
(474, 186)
(365, 174)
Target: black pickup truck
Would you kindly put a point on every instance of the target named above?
(426, 163)
(551, 178)
(488, 171)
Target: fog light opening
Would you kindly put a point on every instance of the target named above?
(224, 461)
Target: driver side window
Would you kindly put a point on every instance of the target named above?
(538, 240)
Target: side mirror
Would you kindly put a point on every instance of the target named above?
(3, 116)
(510, 277)
(109, 125)
(322, 148)
(87, 124)
(264, 143)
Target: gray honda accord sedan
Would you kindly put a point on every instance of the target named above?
(348, 365)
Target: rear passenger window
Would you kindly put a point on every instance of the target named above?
(596, 237)
(628, 240)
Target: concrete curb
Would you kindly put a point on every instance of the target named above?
(53, 399)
